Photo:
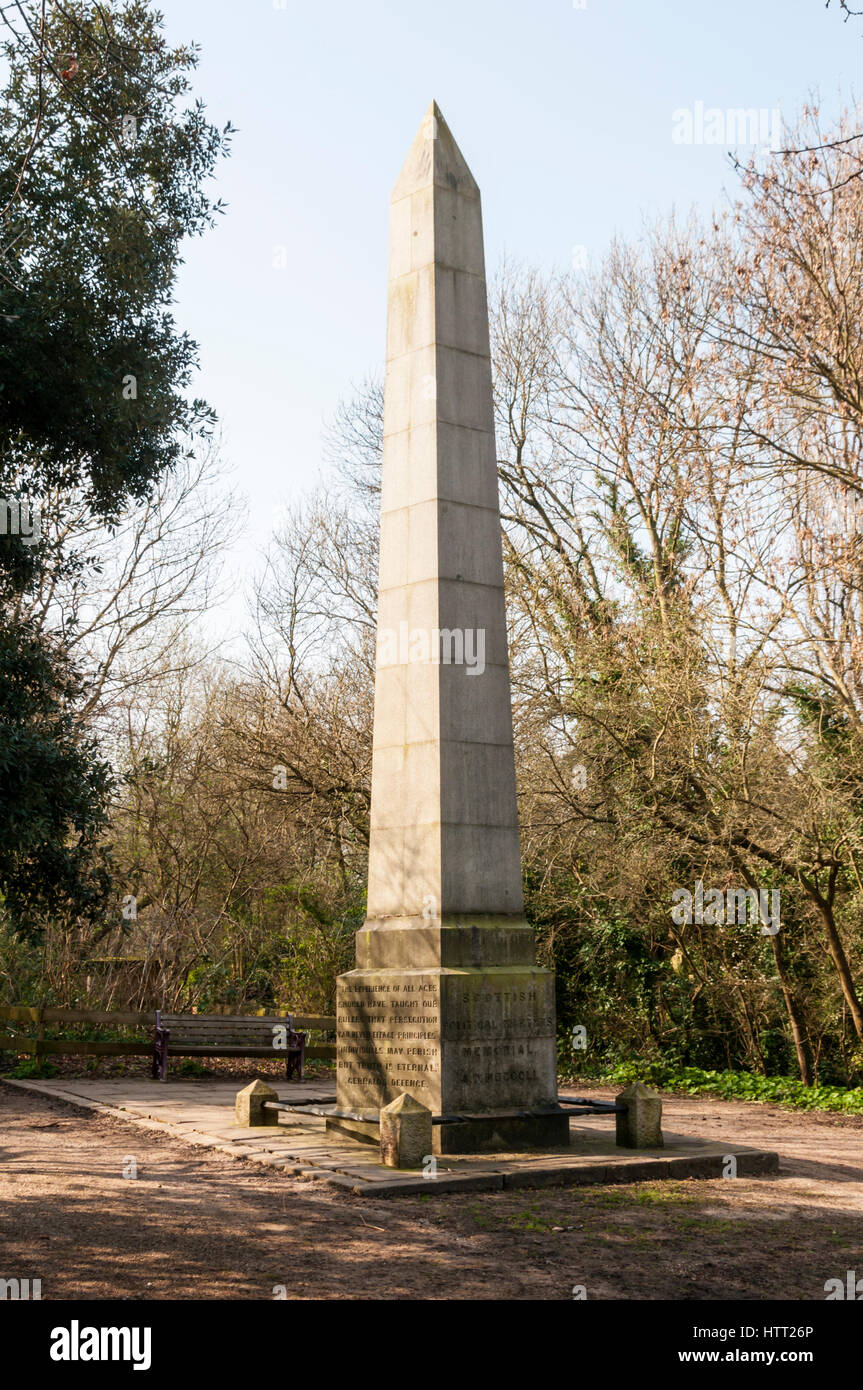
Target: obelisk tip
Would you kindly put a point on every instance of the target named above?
(434, 158)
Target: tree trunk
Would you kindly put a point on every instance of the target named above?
(798, 1032)
(843, 969)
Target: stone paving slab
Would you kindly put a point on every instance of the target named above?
(301, 1147)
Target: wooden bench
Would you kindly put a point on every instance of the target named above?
(227, 1035)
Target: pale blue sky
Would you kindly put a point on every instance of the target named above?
(564, 115)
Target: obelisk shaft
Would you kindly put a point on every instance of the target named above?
(444, 828)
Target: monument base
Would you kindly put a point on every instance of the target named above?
(474, 1135)
(466, 1029)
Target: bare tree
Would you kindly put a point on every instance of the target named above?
(124, 600)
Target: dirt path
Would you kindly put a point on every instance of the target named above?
(194, 1224)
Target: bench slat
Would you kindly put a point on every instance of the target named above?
(256, 1034)
(325, 1022)
(227, 1021)
(323, 1052)
(198, 1030)
(224, 1033)
(219, 1025)
(196, 1050)
(204, 1026)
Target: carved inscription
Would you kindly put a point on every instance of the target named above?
(500, 1013)
(498, 1041)
(457, 1044)
(388, 1041)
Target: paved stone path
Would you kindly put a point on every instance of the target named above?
(202, 1112)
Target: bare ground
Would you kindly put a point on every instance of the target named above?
(196, 1224)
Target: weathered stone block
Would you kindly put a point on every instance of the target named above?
(466, 1041)
(249, 1108)
(755, 1164)
(406, 1133)
(640, 1125)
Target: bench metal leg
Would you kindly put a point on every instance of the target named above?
(160, 1053)
(295, 1058)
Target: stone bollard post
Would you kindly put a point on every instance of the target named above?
(249, 1108)
(639, 1126)
(406, 1133)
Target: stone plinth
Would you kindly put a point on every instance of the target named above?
(639, 1126)
(406, 1133)
(462, 1041)
(249, 1107)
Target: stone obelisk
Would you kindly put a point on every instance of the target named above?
(446, 1001)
